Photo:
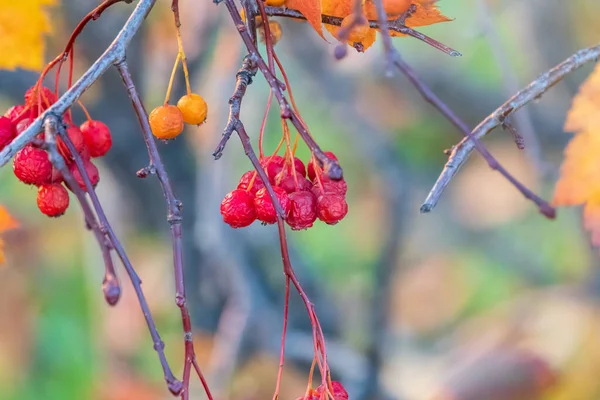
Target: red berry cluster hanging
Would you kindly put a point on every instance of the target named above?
(32, 165)
(304, 197)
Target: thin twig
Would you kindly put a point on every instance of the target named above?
(110, 284)
(53, 126)
(243, 79)
(535, 90)
(174, 219)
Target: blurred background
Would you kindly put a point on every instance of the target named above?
(482, 299)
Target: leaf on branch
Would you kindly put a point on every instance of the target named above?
(579, 181)
(7, 222)
(427, 13)
(23, 26)
(311, 9)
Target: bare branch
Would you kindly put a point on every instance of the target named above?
(52, 127)
(537, 88)
(110, 285)
(174, 219)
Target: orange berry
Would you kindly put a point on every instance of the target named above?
(275, 3)
(275, 29)
(194, 108)
(166, 122)
(359, 32)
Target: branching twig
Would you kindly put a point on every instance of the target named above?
(393, 58)
(537, 88)
(53, 126)
(244, 78)
(174, 219)
(110, 285)
(331, 167)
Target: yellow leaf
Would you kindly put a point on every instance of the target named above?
(23, 25)
(579, 181)
(6, 222)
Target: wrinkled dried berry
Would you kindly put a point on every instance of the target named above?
(7, 132)
(265, 211)
(331, 208)
(52, 199)
(237, 208)
(303, 212)
(289, 184)
(246, 179)
(32, 166)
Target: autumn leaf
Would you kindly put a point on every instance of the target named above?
(311, 9)
(7, 222)
(579, 181)
(23, 26)
(426, 13)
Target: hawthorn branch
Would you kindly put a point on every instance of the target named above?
(244, 78)
(53, 127)
(174, 218)
(393, 58)
(110, 284)
(331, 166)
(114, 53)
(396, 26)
(533, 91)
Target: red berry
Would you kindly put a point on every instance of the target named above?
(247, 178)
(97, 137)
(53, 199)
(237, 208)
(22, 125)
(311, 165)
(47, 96)
(289, 184)
(32, 166)
(91, 171)
(298, 165)
(339, 392)
(331, 208)
(274, 165)
(7, 132)
(76, 137)
(17, 113)
(265, 211)
(336, 187)
(303, 212)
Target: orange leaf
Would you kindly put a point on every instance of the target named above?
(311, 9)
(426, 13)
(579, 181)
(6, 222)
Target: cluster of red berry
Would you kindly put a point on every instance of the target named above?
(32, 165)
(302, 200)
(338, 392)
